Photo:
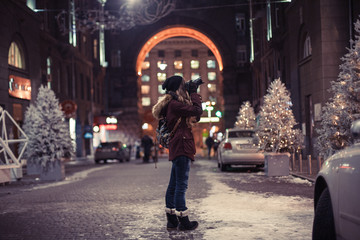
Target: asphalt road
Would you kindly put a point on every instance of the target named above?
(126, 201)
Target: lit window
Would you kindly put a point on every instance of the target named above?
(145, 78)
(161, 76)
(145, 101)
(179, 74)
(211, 87)
(16, 56)
(194, 64)
(195, 76)
(178, 64)
(307, 47)
(95, 48)
(162, 64)
(240, 22)
(161, 91)
(145, 89)
(211, 76)
(145, 65)
(211, 64)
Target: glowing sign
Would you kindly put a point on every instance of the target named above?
(108, 126)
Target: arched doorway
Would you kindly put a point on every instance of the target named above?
(201, 51)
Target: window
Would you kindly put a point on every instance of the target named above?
(179, 74)
(161, 76)
(160, 90)
(145, 89)
(194, 76)
(162, 65)
(178, 64)
(95, 48)
(211, 87)
(307, 47)
(16, 56)
(211, 64)
(145, 65)
(194, 53)
(210, 53)
(177, 53)
(211, 76)
(145, 101)
(194, 64)
(240, 22)
(48, 72)
(161, 53)
(145, 78)
(116, 58)
(241, 54)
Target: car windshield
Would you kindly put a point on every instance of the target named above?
(241, 134)
(109, 144)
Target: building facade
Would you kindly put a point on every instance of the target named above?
(302, 43)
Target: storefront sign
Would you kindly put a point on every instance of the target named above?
(19, 87)
(69, 108)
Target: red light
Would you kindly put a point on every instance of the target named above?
(227, 146)
(115, 149)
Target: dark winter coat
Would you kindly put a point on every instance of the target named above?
(182, 143)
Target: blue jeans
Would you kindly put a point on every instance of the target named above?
(175, 193)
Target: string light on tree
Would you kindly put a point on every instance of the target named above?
(246, 117)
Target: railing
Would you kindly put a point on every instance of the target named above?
(308, 165)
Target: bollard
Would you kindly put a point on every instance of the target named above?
(293, 161)
(319, 161)
(309, 165)
(300, 162)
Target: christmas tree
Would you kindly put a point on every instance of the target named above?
(344, 106)
(275, 131)
(48, 134)
(246, 117)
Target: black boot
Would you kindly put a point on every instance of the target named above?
(172, 221)
(185, 224)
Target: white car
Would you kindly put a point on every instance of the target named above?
(238, 148)
(337, 194)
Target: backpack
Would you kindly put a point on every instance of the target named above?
(163, 134)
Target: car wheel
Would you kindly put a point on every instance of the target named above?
(323, 227)
(97, 161)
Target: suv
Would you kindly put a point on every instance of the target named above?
(239, 148)
(112, 150)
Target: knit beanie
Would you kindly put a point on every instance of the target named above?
(172, 83)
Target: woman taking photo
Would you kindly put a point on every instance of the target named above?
(180, 105)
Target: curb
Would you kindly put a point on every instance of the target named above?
(311, 179)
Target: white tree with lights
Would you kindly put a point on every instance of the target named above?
(49, 138)
(344, 106)
(246, 117)
(276, 124)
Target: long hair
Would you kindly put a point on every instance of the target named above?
(184, 97)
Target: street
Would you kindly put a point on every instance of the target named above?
(126, 201)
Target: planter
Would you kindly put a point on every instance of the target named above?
(53, 171)
(5, 175)
(277, 164)
(33, 168)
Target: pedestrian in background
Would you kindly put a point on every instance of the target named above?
(209, 143)
(146, 143)
(184, 104)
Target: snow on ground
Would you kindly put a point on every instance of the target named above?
(228, 214)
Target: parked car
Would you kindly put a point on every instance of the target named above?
(337, 194)
(112, 150)
(238, 148)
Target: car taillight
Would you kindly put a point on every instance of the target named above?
(115, 149)
(98, 149)
(227, 146)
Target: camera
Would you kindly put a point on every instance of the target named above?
(197, 81)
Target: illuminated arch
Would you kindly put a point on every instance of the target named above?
(176, 32)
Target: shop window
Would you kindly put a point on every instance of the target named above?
(145, 78)
(145, 101)
(161, 76)
(194, 64)
(211, 76)
(178, 64)
(16, 56)
(145, 89)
